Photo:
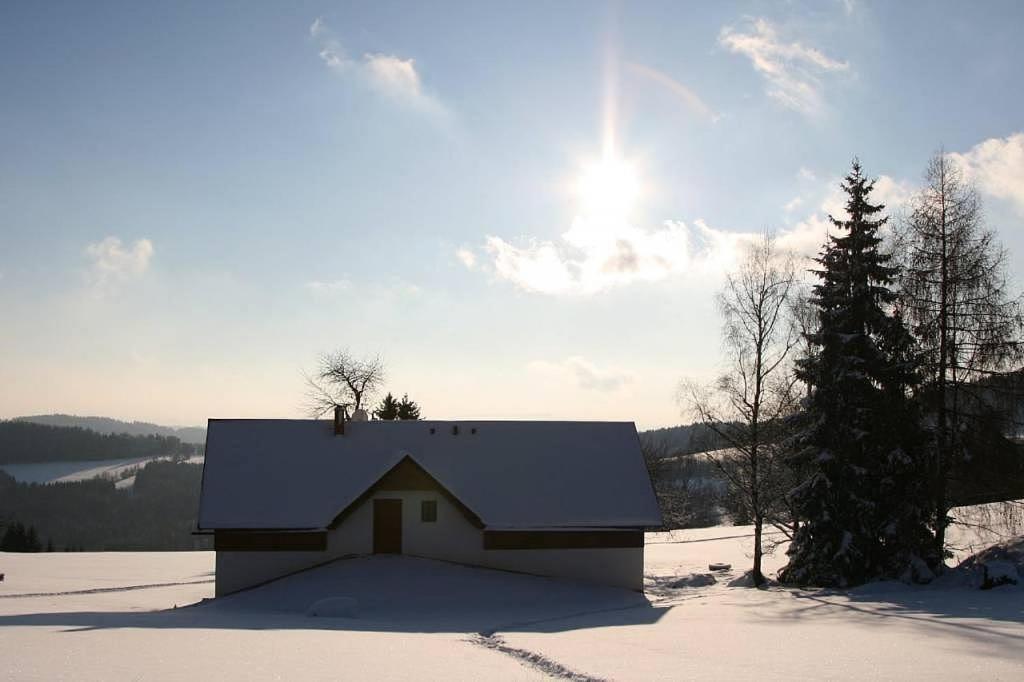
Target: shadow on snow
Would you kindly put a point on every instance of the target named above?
(392, 594)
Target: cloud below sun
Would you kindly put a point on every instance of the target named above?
(603, 252)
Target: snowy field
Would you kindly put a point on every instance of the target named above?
(103, 616)
(67, 472)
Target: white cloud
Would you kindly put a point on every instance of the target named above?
(892, 193)
(586, 375)
(806, 174)
(403, 288)
(466, 257)
(394, 77)
(596, 255)
(335, 286)
(793, 71)
(996, 166)
(114, 262)
(593, 256)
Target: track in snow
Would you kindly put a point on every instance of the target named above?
(531, 659)
(100, 590)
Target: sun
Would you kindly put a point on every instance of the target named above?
(608, 188)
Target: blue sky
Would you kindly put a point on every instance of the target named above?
(197, 199)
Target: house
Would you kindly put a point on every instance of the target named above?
(565, 499)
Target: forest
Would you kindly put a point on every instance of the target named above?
(157, 513)
(25, 442)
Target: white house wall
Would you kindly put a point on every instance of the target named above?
(451, 538)
(615, 566)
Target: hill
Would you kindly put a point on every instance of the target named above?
(683, 439)
(158, 513)
(106, 425)
(22, 441)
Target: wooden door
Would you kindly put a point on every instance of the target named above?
(387, 526)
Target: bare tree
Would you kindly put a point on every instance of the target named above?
(747, 404)
(956, 298)
(342, 380)
(804, 317)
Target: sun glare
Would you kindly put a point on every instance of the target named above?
(608, 188)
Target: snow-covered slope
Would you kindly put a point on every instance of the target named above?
(66, 472)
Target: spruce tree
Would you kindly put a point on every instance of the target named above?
(408, 409)
(863, 506)
(388, 408)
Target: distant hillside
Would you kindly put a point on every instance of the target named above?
(159, 513)
(105, 425)
(683, 439)
(22, 441)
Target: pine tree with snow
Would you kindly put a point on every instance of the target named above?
(863, 506)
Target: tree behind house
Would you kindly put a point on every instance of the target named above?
(408, 409)
(342, 380)
(388, 409)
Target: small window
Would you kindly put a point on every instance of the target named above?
(428, 511)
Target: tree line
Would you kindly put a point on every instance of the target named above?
(26, 442)
(852, 408)
(157, 513)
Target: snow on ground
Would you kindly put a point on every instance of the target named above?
(110, 616)
(66, 472)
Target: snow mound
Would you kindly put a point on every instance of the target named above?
(999, 573)
(1000, 564)
(745, 580)
(333, 607)
(694, 580)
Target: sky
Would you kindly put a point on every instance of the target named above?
(525, 209)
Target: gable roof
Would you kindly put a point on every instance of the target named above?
(277, 474)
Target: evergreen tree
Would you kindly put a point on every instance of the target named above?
(32, 543)
(14, 538)
(408, 409)
(19, 539)
(388, 409)
(863, 506)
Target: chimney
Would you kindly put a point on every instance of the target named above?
(339, 420)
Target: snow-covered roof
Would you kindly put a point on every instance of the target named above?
(271, 473)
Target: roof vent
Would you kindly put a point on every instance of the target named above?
(455, 429)
(432, 430)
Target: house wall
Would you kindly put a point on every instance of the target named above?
(615, 566)
(451, 538)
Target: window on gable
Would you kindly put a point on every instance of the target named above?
(428, 511)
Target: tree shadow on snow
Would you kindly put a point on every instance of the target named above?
(934, 610)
